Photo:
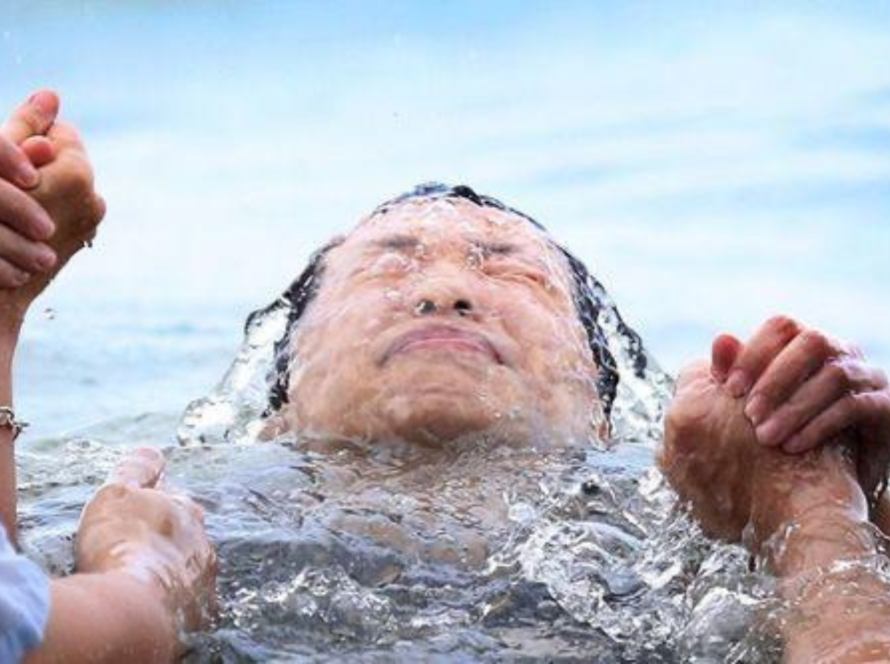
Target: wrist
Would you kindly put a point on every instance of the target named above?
(107, 617)
(12, 316)
(817, 539)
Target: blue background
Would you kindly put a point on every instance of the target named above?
(714, 164)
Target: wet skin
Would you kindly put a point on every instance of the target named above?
(145, 566)
(802, 514)
(443, 319)
(439, 319)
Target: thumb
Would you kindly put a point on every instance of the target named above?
(141, 468)
(33, 118)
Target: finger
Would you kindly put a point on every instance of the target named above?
(39, 150)
(12, 276)
(189, 506)
(844, 413)
(141, 467)
(805, 355)
(65, 136)
(22, 213)
(33, 118)
(29, 256)
(15, 165)
(724, 351)
(760, 350)
(832, 383)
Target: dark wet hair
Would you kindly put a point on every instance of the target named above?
(589, 295)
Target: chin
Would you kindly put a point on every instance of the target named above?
(436, 417)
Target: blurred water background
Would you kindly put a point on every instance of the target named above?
(714, 164)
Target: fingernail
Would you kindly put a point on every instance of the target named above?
(20, 277)
(737, 383)
(46, 226)
(27, 175)
(45, 258)
(768, 432)
(756, 410)
(43, 101)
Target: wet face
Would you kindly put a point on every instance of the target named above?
(441, 320)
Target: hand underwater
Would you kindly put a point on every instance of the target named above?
(132, 525)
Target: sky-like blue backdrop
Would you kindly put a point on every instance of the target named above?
(713, 164)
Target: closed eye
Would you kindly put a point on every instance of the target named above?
(488, 249)
(517, 271)
(398, 243)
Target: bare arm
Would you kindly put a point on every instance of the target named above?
(100, 618)
(145, 568)
(24, 228)
(145, 571)
(802, 514)
(813, 518)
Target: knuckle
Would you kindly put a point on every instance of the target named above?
(29, 117)
(817, 342)
(114, 493)
(10, 277)
(840, 375)
(856, 405)
(783, 326)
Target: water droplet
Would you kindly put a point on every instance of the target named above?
(475, 258)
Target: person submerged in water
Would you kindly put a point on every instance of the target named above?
(445, 317)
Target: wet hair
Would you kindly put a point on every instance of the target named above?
(589, 296)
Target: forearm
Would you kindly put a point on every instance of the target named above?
(110, 617)
(824, 550)
(8, 342)
(838, 600)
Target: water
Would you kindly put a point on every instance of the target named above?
(694, 157)
(479, 551)
(481, 554)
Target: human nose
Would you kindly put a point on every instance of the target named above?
(427, 307)
(443, 299)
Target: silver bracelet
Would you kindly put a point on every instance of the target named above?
(8, 421)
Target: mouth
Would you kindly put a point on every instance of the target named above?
(442, 337)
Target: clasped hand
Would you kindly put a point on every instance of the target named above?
(740, 433)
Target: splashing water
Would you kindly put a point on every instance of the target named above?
(488, 554)
(483, 552)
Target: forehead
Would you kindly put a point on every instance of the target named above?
(452, 221)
